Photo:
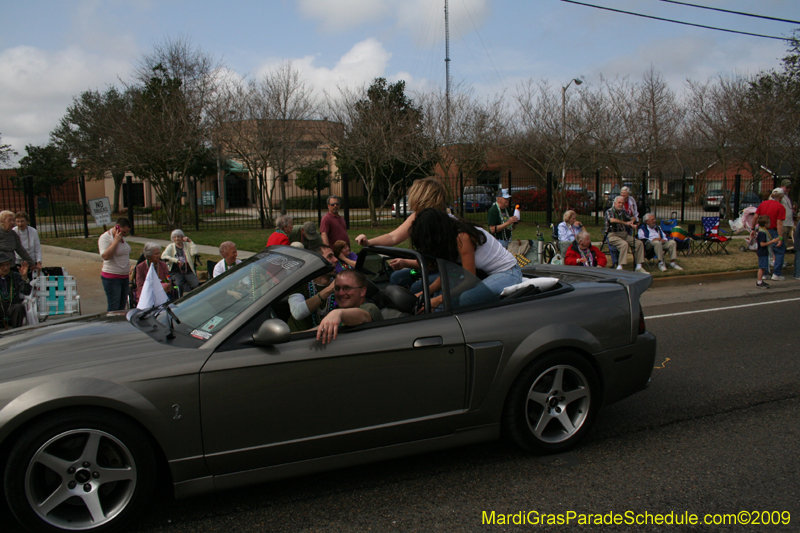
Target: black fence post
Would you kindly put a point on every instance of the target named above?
(737, 188)
(509, 183)
(549, 208)
(197, 197)
(643, 208)
(319, 199)
(461, 194)
(683, 199)
(129, 201)
(597, 197)
(345, 202)
(82, 183)
(30, 199)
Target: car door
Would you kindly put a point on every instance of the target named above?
(383, 383)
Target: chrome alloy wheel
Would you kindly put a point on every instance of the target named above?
(80, 479)
(558, 404)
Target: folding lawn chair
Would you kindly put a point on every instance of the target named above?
(716, 243)
(682, 245)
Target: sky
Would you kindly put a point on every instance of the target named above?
(53, 50)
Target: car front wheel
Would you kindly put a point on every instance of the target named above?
(82, 471)
(553, 403)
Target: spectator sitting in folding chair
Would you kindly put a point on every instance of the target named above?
(152, 255)
(618, 223)
(653, 236)
(13, 286)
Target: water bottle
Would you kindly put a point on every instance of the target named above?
(517, 213)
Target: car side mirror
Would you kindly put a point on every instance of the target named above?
(273, 331)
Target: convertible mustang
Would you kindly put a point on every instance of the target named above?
(215, 390)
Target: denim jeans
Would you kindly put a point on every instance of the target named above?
(495, 285)
(116, 292)
(778, 250)
(796, 262)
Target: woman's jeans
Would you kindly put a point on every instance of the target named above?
(495, 285)
(116, 292)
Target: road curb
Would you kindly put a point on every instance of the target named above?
(694, 279)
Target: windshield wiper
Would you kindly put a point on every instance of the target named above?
(170, 318)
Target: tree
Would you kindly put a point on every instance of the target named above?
(381, 141)
(92, 131)
(314, 176)
(167, 125)
(49, 165)
(6, 153)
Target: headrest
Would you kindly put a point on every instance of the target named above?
(399, 298)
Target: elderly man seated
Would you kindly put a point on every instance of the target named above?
(13, 286)
(581, 252)
(229, 255)
(652, 234)
(618, 223)
(350, 288)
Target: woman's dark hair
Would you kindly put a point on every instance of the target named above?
(435, 233)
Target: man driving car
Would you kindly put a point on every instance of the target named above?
(350, 289)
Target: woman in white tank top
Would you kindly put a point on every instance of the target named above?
(439, 235)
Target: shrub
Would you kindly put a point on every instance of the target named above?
(186, 215)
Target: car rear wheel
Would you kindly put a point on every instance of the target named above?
(84, 471)
(553, 403)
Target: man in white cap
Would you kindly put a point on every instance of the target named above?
(773, 208)
(501, 225)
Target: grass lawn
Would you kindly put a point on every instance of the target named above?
(253, 240)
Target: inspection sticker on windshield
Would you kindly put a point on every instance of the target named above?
(211, 324)
(203, 335)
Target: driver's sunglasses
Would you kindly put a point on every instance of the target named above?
(337, 288)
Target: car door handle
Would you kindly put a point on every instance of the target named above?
(428, 341)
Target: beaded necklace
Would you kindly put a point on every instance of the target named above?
(330, 304)
(504, 217)
(587, 255)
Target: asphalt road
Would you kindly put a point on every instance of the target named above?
(716, 432)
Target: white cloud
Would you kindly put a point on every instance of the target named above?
(365, 61)
(37, 86)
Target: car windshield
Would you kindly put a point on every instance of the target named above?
(211, 306)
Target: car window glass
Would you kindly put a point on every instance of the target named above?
(464, 288)
(213, 305)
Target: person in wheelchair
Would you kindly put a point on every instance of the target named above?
(152, 256)
(13, 286)
(581, 252)
(653, 237)
(180, 255)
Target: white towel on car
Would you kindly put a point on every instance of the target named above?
(542, 283)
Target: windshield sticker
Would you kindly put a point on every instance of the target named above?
(211, 324)
(203, 335)
(283, 262)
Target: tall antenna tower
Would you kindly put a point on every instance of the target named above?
(447, 69)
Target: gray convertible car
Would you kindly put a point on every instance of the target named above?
(215, 391)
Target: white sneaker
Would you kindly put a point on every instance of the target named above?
(619, 267)
(642, 270)
(676, 266)
(662, 267)
(778, 278)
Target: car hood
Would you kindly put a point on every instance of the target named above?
(86, 342)
(573, 274)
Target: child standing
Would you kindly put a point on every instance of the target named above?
(763, 240)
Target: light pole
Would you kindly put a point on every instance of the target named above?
(564, 126)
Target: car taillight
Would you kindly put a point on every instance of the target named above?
(642, 328)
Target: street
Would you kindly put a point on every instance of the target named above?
(715, 433)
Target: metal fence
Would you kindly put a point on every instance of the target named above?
(55, 211)
(241, 202)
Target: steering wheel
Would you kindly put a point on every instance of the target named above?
(419, 307)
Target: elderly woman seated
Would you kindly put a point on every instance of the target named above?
(581, 252)
(152, 256)
(568, 230)
(283, 227)
(179, 255)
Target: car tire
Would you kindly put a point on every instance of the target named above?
(97, 470)
(553, 403)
